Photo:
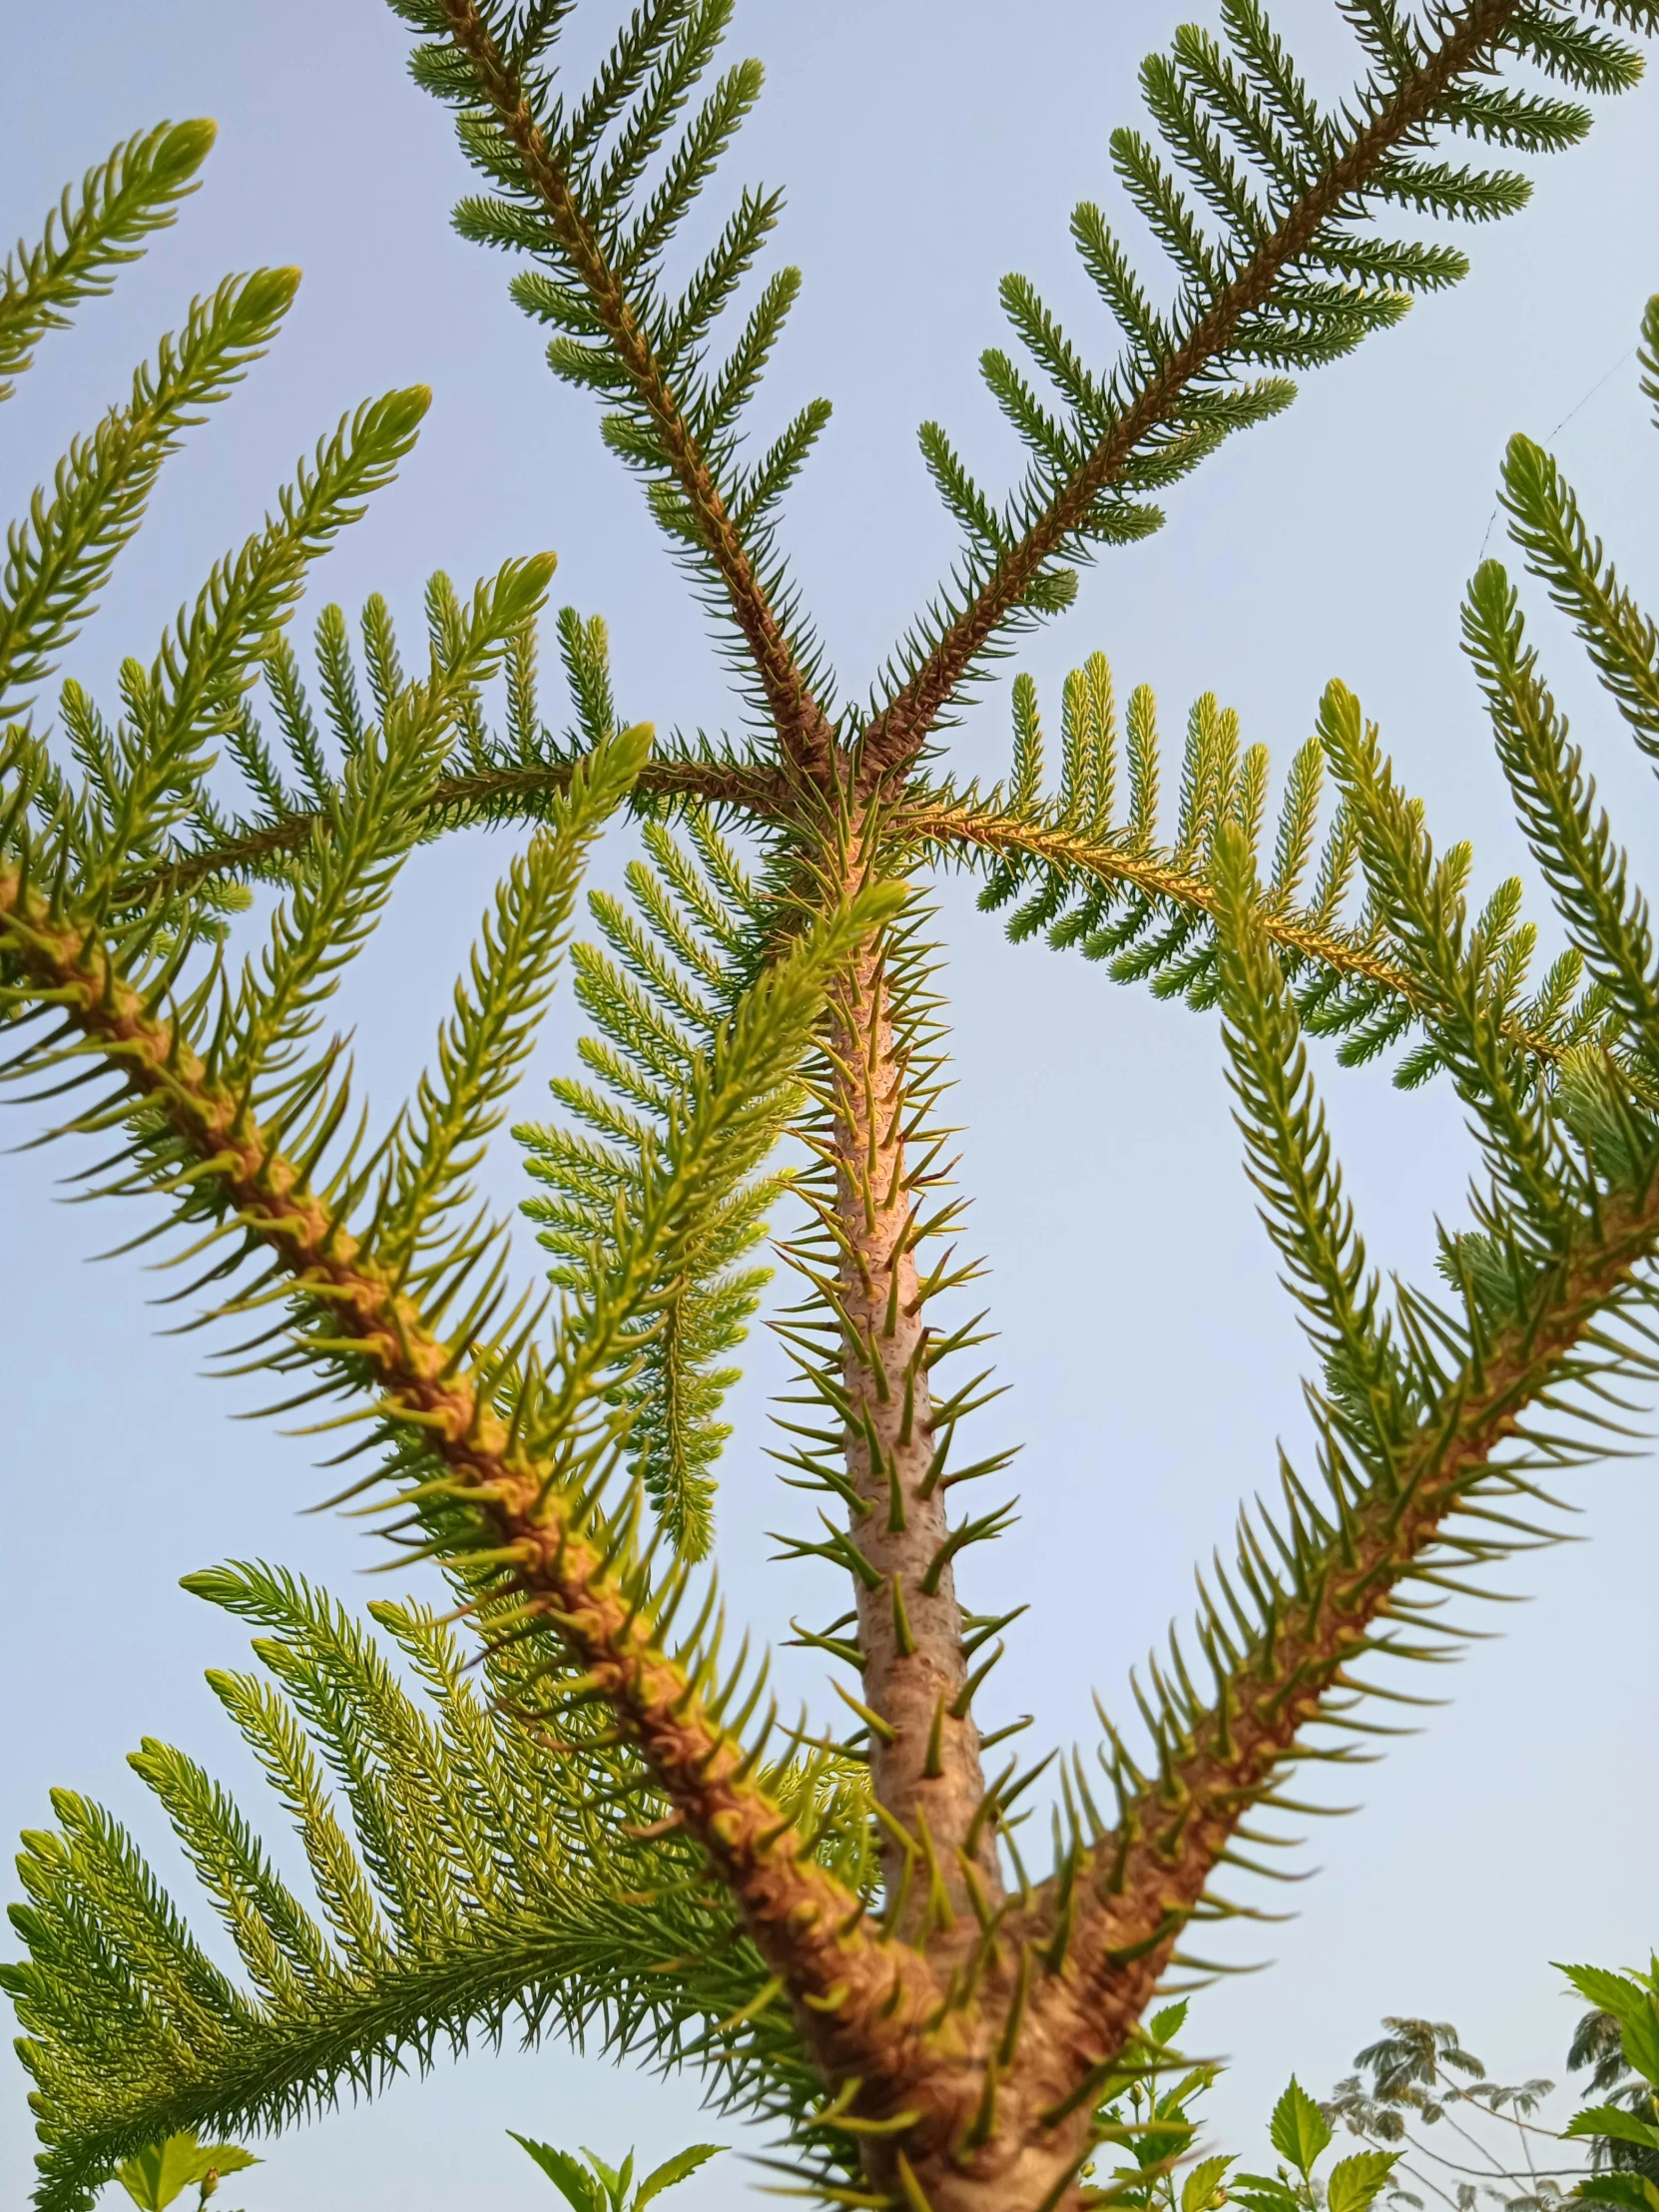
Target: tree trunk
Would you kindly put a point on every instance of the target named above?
(925, 1753)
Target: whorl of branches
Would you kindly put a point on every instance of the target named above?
(843, 1928)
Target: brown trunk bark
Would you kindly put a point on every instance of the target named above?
(925, 1754)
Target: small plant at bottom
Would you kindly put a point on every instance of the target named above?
(154, 2177)
(1301, 2135)
(1624, 2134)
(1156, 2132)
(596, 2187)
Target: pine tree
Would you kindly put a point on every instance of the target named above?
(565, 1803)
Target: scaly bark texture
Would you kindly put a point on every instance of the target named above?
(924, 1746)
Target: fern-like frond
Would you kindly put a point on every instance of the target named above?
(133, 194)
(679, 955)
(60, 557)
(1262, 202)
(1442, 1425)
(1085, 867)
(1549, 529)
(1606, 914)
(595, 185)
(414, 1933)
(499, 1453)
(293, 778)
(374, 823)
(470, 1881)
(190, 693)
(1439, 1425)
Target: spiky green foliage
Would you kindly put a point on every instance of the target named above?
(62, 555)
(659, 999)
(846, 1930)
(121, 203)
(466, 1886)
(198, 1044)
(1088, 866)
(594, 188)
(1265, 202)
(1085, 867)
(1268, 210)
(143, 777)
(290, 783)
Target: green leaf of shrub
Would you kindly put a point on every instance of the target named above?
(1299, 2130)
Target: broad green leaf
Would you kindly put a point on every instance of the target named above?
(1612, 2119)
(614, 2183)
(674, 2170)
(227, 2158)
(578, 2187)
(1355, 2181)
(156, 2176)
(1640, 2035)
(1610, 1992)
(1261, 2193)
(1634, 2191)
(1174, 2101)
(1159, 2146)
(1632, 2005)
(1198, 2190)
(1164, 2026)
(1299, 2130)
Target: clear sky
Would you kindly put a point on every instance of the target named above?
(1152, 1362)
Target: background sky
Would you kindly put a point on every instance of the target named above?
(1152, 1364)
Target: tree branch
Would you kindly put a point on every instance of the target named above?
(903, 727)
(943, 825)
(488, 796)
(803, 730)
(1142, 1881)
(923, 1751)
(860, 1998)
(265, 2062)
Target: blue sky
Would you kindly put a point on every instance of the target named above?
(1151, 1362)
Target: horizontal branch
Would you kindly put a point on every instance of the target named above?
(488, 796)
(263, 2065)
(1160, 876)
(903, 727)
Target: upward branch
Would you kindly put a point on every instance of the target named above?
(1381, 130)
(1327, 1612)
(866, 1997)
(134, 192)
(803, 730)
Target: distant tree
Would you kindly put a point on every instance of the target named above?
(1407, 2082)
